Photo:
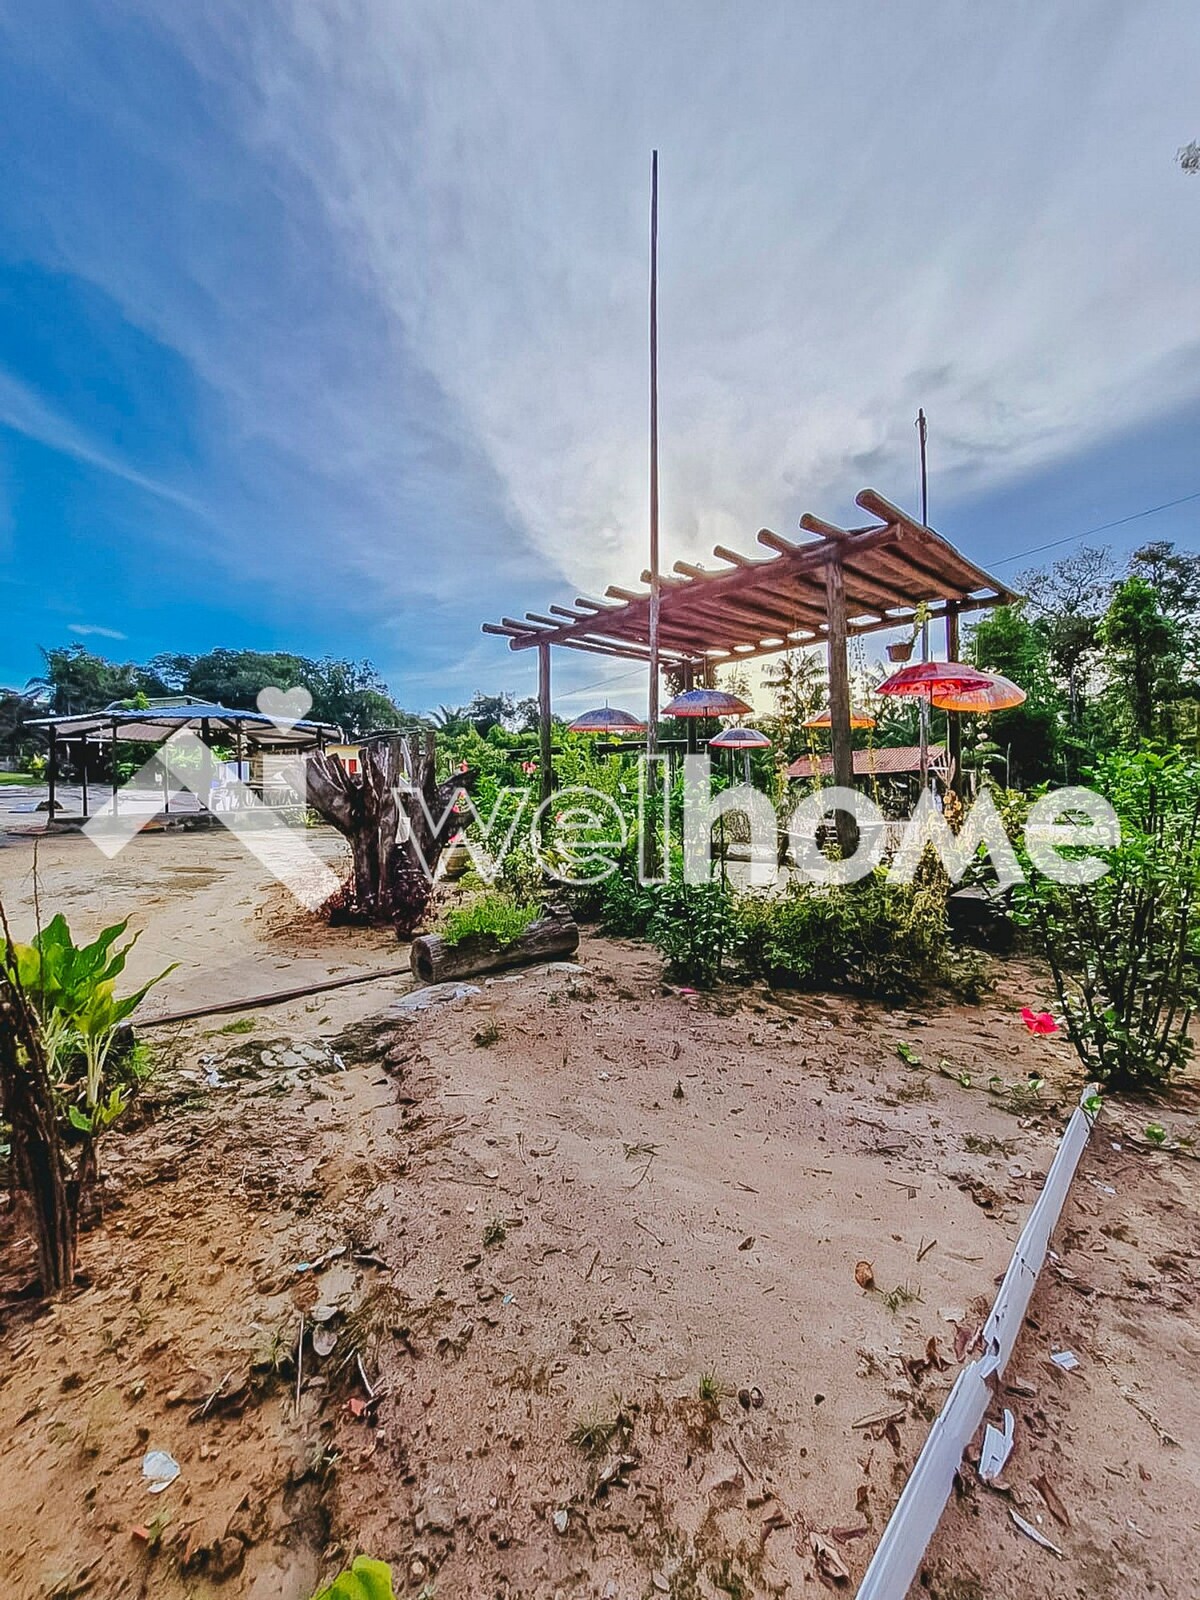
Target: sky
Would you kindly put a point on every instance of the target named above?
(323, 324)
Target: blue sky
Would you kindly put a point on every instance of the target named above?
(323, 326)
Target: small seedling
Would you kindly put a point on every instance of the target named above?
(1156, 1133)
(599, 1429)
(241, 1025)
(902, 1295)
(488, 1034)
(495, 1232)
(907, 1054)
(710, 1389)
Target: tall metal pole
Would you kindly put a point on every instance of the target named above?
(652, 716)
(922, 436)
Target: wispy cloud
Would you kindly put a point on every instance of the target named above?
(829, 261)
(25, 412)
(89, 630)
(403, 251)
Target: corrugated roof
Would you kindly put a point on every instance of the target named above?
(884, 762)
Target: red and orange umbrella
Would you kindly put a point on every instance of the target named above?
(1000, 694)
(928, 679)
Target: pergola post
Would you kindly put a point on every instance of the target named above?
(83, 774)
(953, 721)
(115, 778)
(689, 682)
(839, 698)
(545, 769)
(52, 771)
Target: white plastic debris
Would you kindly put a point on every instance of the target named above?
(1030, 1532)
(434, 994)
(1066, 1359)
(159, 1469)
(996, 1449)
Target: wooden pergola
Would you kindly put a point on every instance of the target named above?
(841, 583)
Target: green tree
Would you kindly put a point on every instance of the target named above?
(1007, 641)
(76, 680)
(1143, 655)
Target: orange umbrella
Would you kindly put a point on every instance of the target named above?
(824, 719)
(999, 694)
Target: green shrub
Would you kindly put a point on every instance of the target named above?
(695, 926)
(497, 916)
(1125, 950)
(889, 941)
(365, 1580)
(72, 988)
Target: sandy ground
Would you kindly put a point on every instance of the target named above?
(540, 1220)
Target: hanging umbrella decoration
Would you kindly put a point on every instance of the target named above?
(607, 719)
(706, 703)
(1000, 694)
(953, 686)
(824, 719)
(743, 739)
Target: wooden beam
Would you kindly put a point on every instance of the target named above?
(545, 765)
(839, 701)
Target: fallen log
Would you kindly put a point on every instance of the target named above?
(554, 937)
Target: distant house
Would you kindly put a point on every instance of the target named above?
(348, 755)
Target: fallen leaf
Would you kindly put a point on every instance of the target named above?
(1030, 1532)
(864, 1275)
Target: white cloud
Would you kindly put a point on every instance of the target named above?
(88, 630)
(862, 211)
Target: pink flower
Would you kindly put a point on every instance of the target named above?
(1038, 1021)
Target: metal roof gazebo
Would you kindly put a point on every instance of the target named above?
(842, 583)
(157, 721)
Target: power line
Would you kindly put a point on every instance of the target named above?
(1103, 528)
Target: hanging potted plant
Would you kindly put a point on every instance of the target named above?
(902, 651)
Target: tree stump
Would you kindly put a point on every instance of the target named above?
(552, 938)
(397, 819)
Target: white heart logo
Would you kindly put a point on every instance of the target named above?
(285, 707)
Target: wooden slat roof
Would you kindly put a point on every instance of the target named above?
(755, 605)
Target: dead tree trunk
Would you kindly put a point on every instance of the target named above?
(392, 815)
(552, 938)
(39, 1172)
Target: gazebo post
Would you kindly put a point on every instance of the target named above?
(115, 779)
(953, 723)
(689, 682)
(546, 771)
(839, 697)
(83, 773)
(52, 771)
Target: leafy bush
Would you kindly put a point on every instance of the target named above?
(72, 988)
(365, 1580)
(1125, 950)
(496, 916)
(696, 927)
(875, 938)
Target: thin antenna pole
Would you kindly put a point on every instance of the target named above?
(922, 436)
(652, 716)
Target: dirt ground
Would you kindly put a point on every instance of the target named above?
(580, 1250)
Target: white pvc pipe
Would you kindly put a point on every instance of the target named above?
(911, 1525)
